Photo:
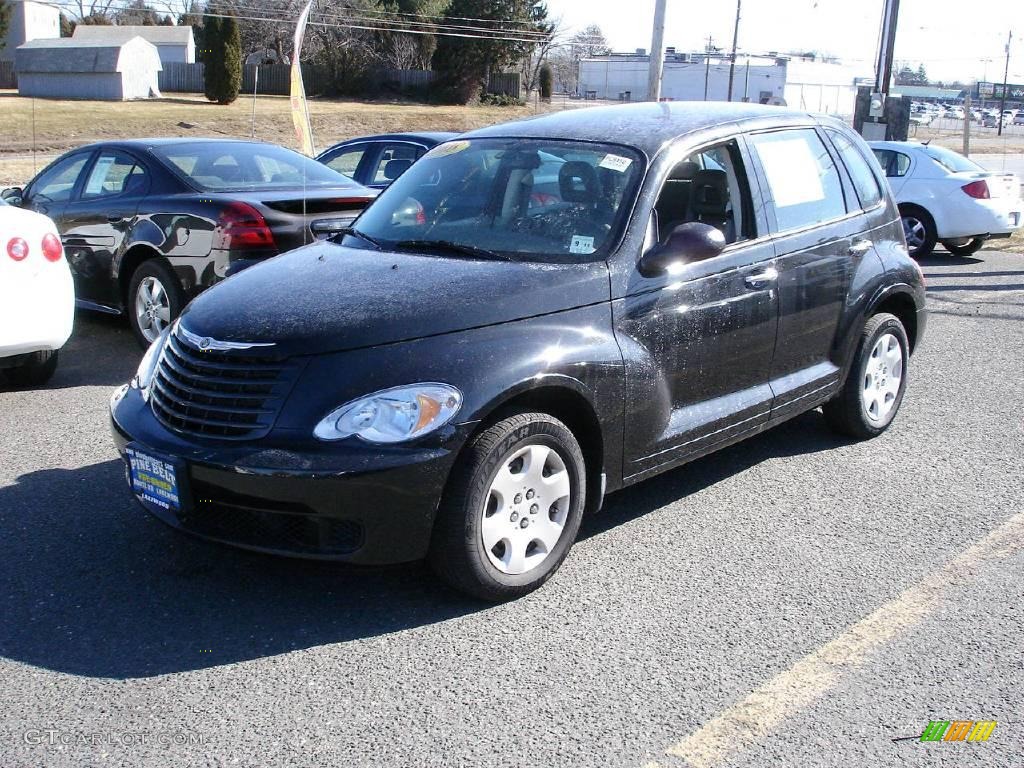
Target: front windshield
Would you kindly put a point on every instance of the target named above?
(950, 160)
(243, 166)
(525, 198)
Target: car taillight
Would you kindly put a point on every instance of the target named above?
(977, 189)
(242, 226)
(17, 248)
(52, 249)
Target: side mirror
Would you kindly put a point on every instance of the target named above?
(688, 242)
(13, 195)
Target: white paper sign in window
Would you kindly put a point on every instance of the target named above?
(793, 171)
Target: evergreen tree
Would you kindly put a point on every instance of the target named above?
(67, 26)
(223, 60)
(5, 20)
(546, 81)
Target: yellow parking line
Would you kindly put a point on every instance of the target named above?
(783, 696)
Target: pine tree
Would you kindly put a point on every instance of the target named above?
(223, 59)
(546, 80)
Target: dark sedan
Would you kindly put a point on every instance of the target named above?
(376, 161)
(147, 224)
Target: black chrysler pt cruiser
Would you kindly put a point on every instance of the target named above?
(534, 315)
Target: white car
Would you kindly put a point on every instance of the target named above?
(948, 198)
(37, 297)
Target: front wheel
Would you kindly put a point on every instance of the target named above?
(919, 231)
(512, 508)
(964, 246)
(874, 387)
(37, 369)
(155, 299)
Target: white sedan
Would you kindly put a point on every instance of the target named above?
(948, 198)
(37, 297)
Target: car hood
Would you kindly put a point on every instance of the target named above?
(329, 298)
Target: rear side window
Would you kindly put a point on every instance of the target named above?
(115, 174)
(895, 164)
(803, 182)
(864, 179)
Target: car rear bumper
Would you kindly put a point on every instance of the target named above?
(297, 503)
(38, 315)
(984, 218)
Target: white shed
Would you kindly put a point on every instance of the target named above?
(177, 45)
(67, 68)
(29, 21)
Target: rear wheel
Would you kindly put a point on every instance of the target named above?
(155, 299)
(919, 230)
(37, 369)
(874, 387)
(512, 508)
(964, 246)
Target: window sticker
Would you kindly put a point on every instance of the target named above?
(581, 244)
(793, 171)
(449, 148)
(99, 176)
(615, 163)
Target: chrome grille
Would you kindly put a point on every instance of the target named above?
(219, 394)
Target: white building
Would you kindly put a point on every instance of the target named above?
(29, 21)
(67, 68)
(808, 84)
(176, 45)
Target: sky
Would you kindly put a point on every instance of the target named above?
(954, 39)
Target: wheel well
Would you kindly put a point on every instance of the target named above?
(573, 410)
(915, 207)
(131, 261)
(903, 307)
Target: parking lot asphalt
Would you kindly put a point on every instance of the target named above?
(795, 600)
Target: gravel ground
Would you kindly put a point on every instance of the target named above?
(125, 643)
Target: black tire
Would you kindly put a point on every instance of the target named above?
(38, 369)
(154, 269)
(919, 220)
(846, 412)
(970, 246)
(457, 550)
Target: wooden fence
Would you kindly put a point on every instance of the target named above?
(7, 77)
(274, 79)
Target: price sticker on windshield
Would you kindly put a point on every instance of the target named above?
(449, 148)
(616, 163)
(581, 244)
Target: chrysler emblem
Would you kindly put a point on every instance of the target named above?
(204, 343)
(207, 344)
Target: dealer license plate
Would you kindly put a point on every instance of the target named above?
(153, 479)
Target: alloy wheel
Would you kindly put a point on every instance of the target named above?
(882, 377)
(915, 232)
(152, 308)
(526, 509)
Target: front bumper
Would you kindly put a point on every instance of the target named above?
(353, 504)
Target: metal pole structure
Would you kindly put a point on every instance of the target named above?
(967, 122)
(657, 52)
(707, 72)
(735, 39)
(255, 85)
(746, 82)
(886, 46)
(1006, 77)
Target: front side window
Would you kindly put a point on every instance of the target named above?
(803, 182)
(115, 174)
(864, 180)
(557, 199)
(710, 187)
(241, 166)
(57, 184)
(347, 161)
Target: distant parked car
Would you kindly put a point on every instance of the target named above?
(1019, 119)
(989, 121)
(37, 297)
(149, 223)
(376, 161)
(948, 198)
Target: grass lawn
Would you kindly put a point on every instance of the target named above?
(61, 125)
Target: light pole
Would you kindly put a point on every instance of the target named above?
(735, 39)
(1006, 77)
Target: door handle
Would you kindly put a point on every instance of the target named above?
(860, 247)
(761, 279)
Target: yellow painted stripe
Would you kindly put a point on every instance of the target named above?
(765, 709)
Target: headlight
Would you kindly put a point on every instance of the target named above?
(144, 376)
(393, 415)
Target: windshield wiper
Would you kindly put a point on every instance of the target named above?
(362, 235)
(447, 245)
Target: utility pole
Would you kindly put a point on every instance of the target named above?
(886, 46)
(657, 52)
(1006, 77)
(967, 122)
(707, 66)
(735, 39)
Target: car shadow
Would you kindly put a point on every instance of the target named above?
(102, 351)
(946, 259)
(92, 585)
